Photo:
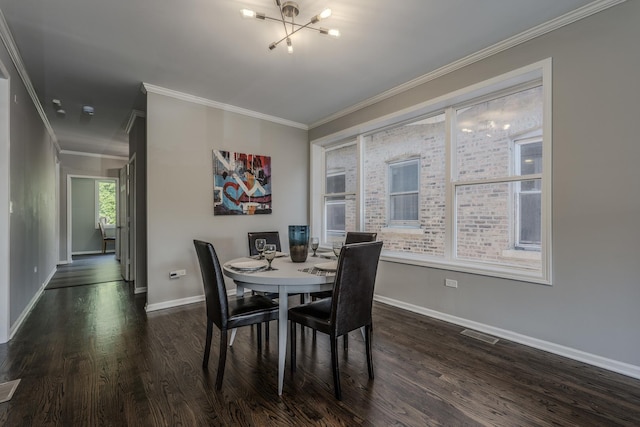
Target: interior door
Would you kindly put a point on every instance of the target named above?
(122, 226)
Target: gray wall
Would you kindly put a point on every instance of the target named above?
(593, 304)
(180, 139)
(32, 191)
(84, 165)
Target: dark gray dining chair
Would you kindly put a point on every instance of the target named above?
(227, 314)
(350, 238)
(348, 309)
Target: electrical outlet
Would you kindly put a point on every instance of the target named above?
(451, 283)
(177, 274)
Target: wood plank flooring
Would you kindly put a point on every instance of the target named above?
(86, 270)
(91, 356)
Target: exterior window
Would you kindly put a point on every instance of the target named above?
(106, 202)
(528, 196)
(339, 192)
(403, 192)
(335, 205)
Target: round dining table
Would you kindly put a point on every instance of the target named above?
(287, 277)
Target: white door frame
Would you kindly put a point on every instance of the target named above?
(5, 206)
(69, 199)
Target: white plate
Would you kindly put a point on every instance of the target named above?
(248, 265)
(327, 266)
(281, 254)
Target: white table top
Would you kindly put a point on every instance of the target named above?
(287, 273)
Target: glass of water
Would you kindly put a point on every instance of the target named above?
(315, 242)
(337, 247)
(260, 244)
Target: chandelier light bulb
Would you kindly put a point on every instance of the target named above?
(334, 33)
(247, 13)
(325, 14)
(289, 46)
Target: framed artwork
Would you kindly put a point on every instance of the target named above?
(241, 183)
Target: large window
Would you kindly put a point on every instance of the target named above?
(461, 185)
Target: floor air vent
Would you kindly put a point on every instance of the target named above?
(480, 336)
(7, 389)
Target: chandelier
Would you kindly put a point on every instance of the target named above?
(288, 12)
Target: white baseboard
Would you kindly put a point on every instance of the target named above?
(14, 328)
(174, 303)
(571, 353)
(140, 291)
(182, 301)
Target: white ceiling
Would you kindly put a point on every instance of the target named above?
(98, 52)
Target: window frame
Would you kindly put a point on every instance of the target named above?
(538, 73)
(393, 223)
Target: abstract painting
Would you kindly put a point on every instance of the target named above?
(241, 183)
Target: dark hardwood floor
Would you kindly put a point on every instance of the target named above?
(86, 270)
(91, 356)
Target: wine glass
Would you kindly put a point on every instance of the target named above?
(337, 247)
(315, 242)
(270, 254)
(260, 244)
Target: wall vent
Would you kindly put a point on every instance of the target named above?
(480, 336)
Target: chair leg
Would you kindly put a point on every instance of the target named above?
(259, 325)
(266, 331)
(368, 333)
(334, 367)
(292, 337)
(207, 345)
(222, 359)
(345, 339)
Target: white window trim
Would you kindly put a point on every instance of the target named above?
(541, 70)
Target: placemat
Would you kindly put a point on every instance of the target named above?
(317, 271)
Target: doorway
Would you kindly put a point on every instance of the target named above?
(91, 199)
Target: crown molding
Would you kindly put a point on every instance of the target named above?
(102, 156)
(537, 31)
(146, 87)
(14, 53)
(132, 119)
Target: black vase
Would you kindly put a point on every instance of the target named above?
(298, 242)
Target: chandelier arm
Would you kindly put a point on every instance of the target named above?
(293, 23)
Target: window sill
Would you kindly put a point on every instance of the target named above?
(528, 255)
(401, 230)
(519, 274)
